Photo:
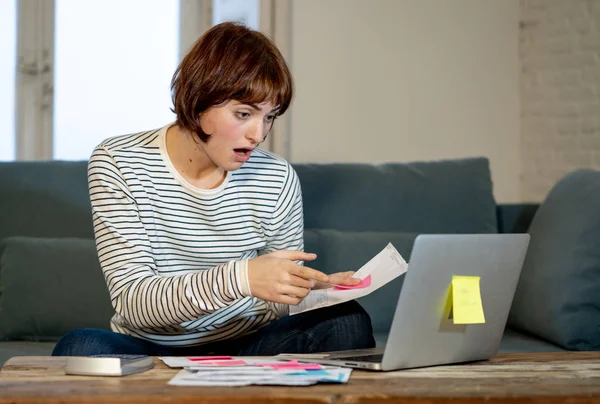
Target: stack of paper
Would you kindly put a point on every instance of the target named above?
(245, 371)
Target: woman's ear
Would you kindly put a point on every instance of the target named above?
(206, 124)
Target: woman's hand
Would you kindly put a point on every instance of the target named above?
(339, 278)
(343, 278)
(277, 278)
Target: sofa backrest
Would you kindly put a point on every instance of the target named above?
(50, 198)
(45, 199)
(515, 217)
(446, 196)
(351, 211)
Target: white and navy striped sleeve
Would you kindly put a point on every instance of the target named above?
(286, 231)
(137, 292)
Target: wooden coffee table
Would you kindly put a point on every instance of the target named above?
(561, 377)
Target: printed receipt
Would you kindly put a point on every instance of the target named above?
(384, 267)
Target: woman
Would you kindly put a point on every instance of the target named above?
(199, 233)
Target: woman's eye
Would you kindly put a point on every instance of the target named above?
(270, 118)
(243, 115)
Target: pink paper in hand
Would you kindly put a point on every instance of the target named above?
(363, 284)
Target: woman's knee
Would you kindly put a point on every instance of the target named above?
(350, 327)
(84, 342)
(360, 322)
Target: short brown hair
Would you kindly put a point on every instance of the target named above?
(229, 62)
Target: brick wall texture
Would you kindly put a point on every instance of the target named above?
(560, 91)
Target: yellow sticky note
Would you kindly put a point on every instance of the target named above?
(466, 300)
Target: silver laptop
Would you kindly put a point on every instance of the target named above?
(423, 332)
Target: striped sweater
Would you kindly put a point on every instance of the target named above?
(175, 257)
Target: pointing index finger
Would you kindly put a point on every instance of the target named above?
(309, 273)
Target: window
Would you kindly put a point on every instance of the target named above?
(113, 62)
(95, 69)
(243, 11)
(8, 55)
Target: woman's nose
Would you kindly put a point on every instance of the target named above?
(256, 133)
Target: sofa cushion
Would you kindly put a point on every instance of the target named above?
(514, 341)
(9, 349)
(49, 287)
(339, 251)
(558, 295)
(445, 196)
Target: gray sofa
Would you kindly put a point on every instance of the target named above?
(50, 279)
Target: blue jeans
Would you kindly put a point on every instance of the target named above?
(333, 328)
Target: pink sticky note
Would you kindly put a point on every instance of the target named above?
(293, 365)
(208, 358)
(363, 284)
(300, 366)
(290, 363)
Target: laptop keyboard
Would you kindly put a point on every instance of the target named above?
(364, 358)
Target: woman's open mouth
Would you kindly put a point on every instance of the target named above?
(242, 154)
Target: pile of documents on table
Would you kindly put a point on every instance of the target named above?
(245, 371)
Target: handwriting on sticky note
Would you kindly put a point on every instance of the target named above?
(466, 300)
(363, 284)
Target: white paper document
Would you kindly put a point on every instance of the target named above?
(245, 371)
(218, 362)
(258, 376)
(384, 267)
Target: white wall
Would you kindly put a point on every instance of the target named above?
(560, 91)
(406, 80)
